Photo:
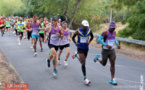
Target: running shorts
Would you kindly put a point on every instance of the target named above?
(64, 46)
(83, 51)
(107, 53)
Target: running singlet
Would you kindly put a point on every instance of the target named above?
(7, 23)
(28, 26)
(45, 23)
(54, 40)
(110, 40)
(66, 40)
(41, 31)
(2, 22)
(82, 38)
(20, 26)
(35, 28)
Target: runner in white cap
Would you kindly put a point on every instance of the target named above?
(83, 46)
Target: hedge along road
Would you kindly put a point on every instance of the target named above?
(34, 70)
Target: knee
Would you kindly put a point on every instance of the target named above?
(104, 64)
(54, 56)
(68, 52)
(83, 63)
(112, 64)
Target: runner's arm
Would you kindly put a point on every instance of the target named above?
(61, 32)
(75, 34)
(46, 30)
(92, 36)
(102, 37)
(115, 41)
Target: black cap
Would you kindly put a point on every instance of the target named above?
(54, 18)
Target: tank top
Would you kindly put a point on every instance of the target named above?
(66, 40)
(45, 23)
(82, 38)
(2, 22)
(41, 31)
(7, 23)
(28, 26)
(35, 28)
(110, 40)
(54, 40)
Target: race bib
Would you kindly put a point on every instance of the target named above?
(84, 39)
(111, 42)
(66, 39)
(20, 27)
(1, 25)
(54, 37)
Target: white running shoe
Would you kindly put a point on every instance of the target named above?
(65, 63)
(35, 54)
(58, 62)
(19, 43)
(31, 47)
(87, 81)
(74, 55)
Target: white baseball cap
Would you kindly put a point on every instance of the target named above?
(85, 23)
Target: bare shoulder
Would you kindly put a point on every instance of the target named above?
(104, 33)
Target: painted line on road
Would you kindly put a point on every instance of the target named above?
(119, 79)
(121, 66)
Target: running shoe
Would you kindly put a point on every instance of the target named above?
(55, 72)
(74, 55)
(24, 37)
(58, 62)
(87, 81)
(113, 81)
(41, 49)
(31, 47)
(48, 62)
(19, 43)
(35, 54)
(96, 58)
(65, 63)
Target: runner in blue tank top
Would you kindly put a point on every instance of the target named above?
(108, 51)
(83, 45)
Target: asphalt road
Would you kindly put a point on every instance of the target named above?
(34, 70)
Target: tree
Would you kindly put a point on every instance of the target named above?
(8, 7)
(135, 17)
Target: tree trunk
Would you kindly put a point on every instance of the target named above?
(111, 12)
(110, 15)
(72, 18)
(66, 11)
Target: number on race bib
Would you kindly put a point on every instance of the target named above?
(111, 42)
(84, 39)
(54, 37)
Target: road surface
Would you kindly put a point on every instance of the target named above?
(34, 70)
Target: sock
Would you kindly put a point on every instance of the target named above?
(85, 77)
(84, 70)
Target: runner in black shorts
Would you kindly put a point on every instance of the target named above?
(83, 46)
(29, 32)
(55, 33)
(64, 43)
(41, 33)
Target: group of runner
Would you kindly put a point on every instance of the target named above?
(56, 34)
